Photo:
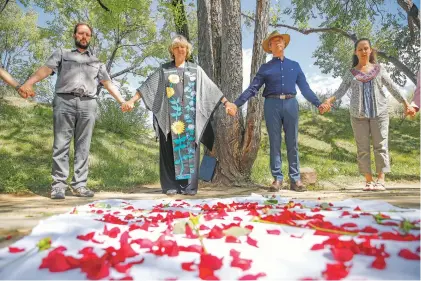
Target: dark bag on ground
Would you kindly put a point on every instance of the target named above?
(207, 168)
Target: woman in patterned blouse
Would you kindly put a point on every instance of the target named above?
(369, 111)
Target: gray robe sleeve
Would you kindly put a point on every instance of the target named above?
(150, 88)
(208, 98)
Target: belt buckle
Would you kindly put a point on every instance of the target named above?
(282, 97)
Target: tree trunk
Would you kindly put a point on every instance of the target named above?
(216, 16)
(215, 44)
(204, 24)
(180, 18)
(255, 106)
(228, 137)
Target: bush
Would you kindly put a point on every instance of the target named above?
(111, 118)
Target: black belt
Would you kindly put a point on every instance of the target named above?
(74, 94)
(281, 96)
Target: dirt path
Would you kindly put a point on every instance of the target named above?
(19, 214)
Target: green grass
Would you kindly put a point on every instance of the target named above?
(119, 163)
(326, 144)
(26, 137)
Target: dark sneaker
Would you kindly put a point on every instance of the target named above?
(171, 192)
(298, 186)
(276, 186)
(82, 192)
(58, 192)
(189, 192)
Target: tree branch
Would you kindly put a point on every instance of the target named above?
(4, 6)
(396, 62)
(399, 65)
(112, 76)
(103, 6)
(411, 10)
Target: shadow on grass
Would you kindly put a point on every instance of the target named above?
(25, 155)
(404, 141)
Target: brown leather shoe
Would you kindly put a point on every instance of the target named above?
(298, 186)
(276, 186)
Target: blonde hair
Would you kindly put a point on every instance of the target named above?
(180, 40)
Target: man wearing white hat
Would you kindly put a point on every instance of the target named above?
(280, 75)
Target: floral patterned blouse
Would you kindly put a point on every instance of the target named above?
(354, 82)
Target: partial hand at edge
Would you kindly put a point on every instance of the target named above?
(230, 109)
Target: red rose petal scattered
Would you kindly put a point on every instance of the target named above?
(407, 254)
(203, 227)
(251, 242)
(191, 248)
(244, 264)
(143, 243)
(273, 231)
(342, 255)
(128, 217)
(215, 233)
(252, 277)
(250, 227)
(123, 278)
(112, 233)
(113, 219)
(232, 239)
(86, 237)
(317, 247)
(335, 271)
(208, 264)
(349, 224)
(369, 229)
(379, 263)
(14, 250)
(189, 232)
(188, 266)
(357, 208)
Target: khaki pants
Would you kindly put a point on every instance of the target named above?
(378, 129)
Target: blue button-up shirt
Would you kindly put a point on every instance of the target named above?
(279, 77)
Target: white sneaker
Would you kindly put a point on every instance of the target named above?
(369, 186)
(379, 186)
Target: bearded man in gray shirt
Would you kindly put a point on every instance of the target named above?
(74, 107)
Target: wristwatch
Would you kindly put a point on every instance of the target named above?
(18, 86)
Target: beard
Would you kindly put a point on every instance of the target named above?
(80, 45)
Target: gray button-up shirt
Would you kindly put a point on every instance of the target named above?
(77, 72)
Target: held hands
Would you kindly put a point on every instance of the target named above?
(127, 106)
(26, 91)
(230, 108)
(410, 110)
(325, 107)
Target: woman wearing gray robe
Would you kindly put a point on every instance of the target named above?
(182, 99)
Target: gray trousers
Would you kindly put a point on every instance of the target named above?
(73, 117)
(378, 130)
